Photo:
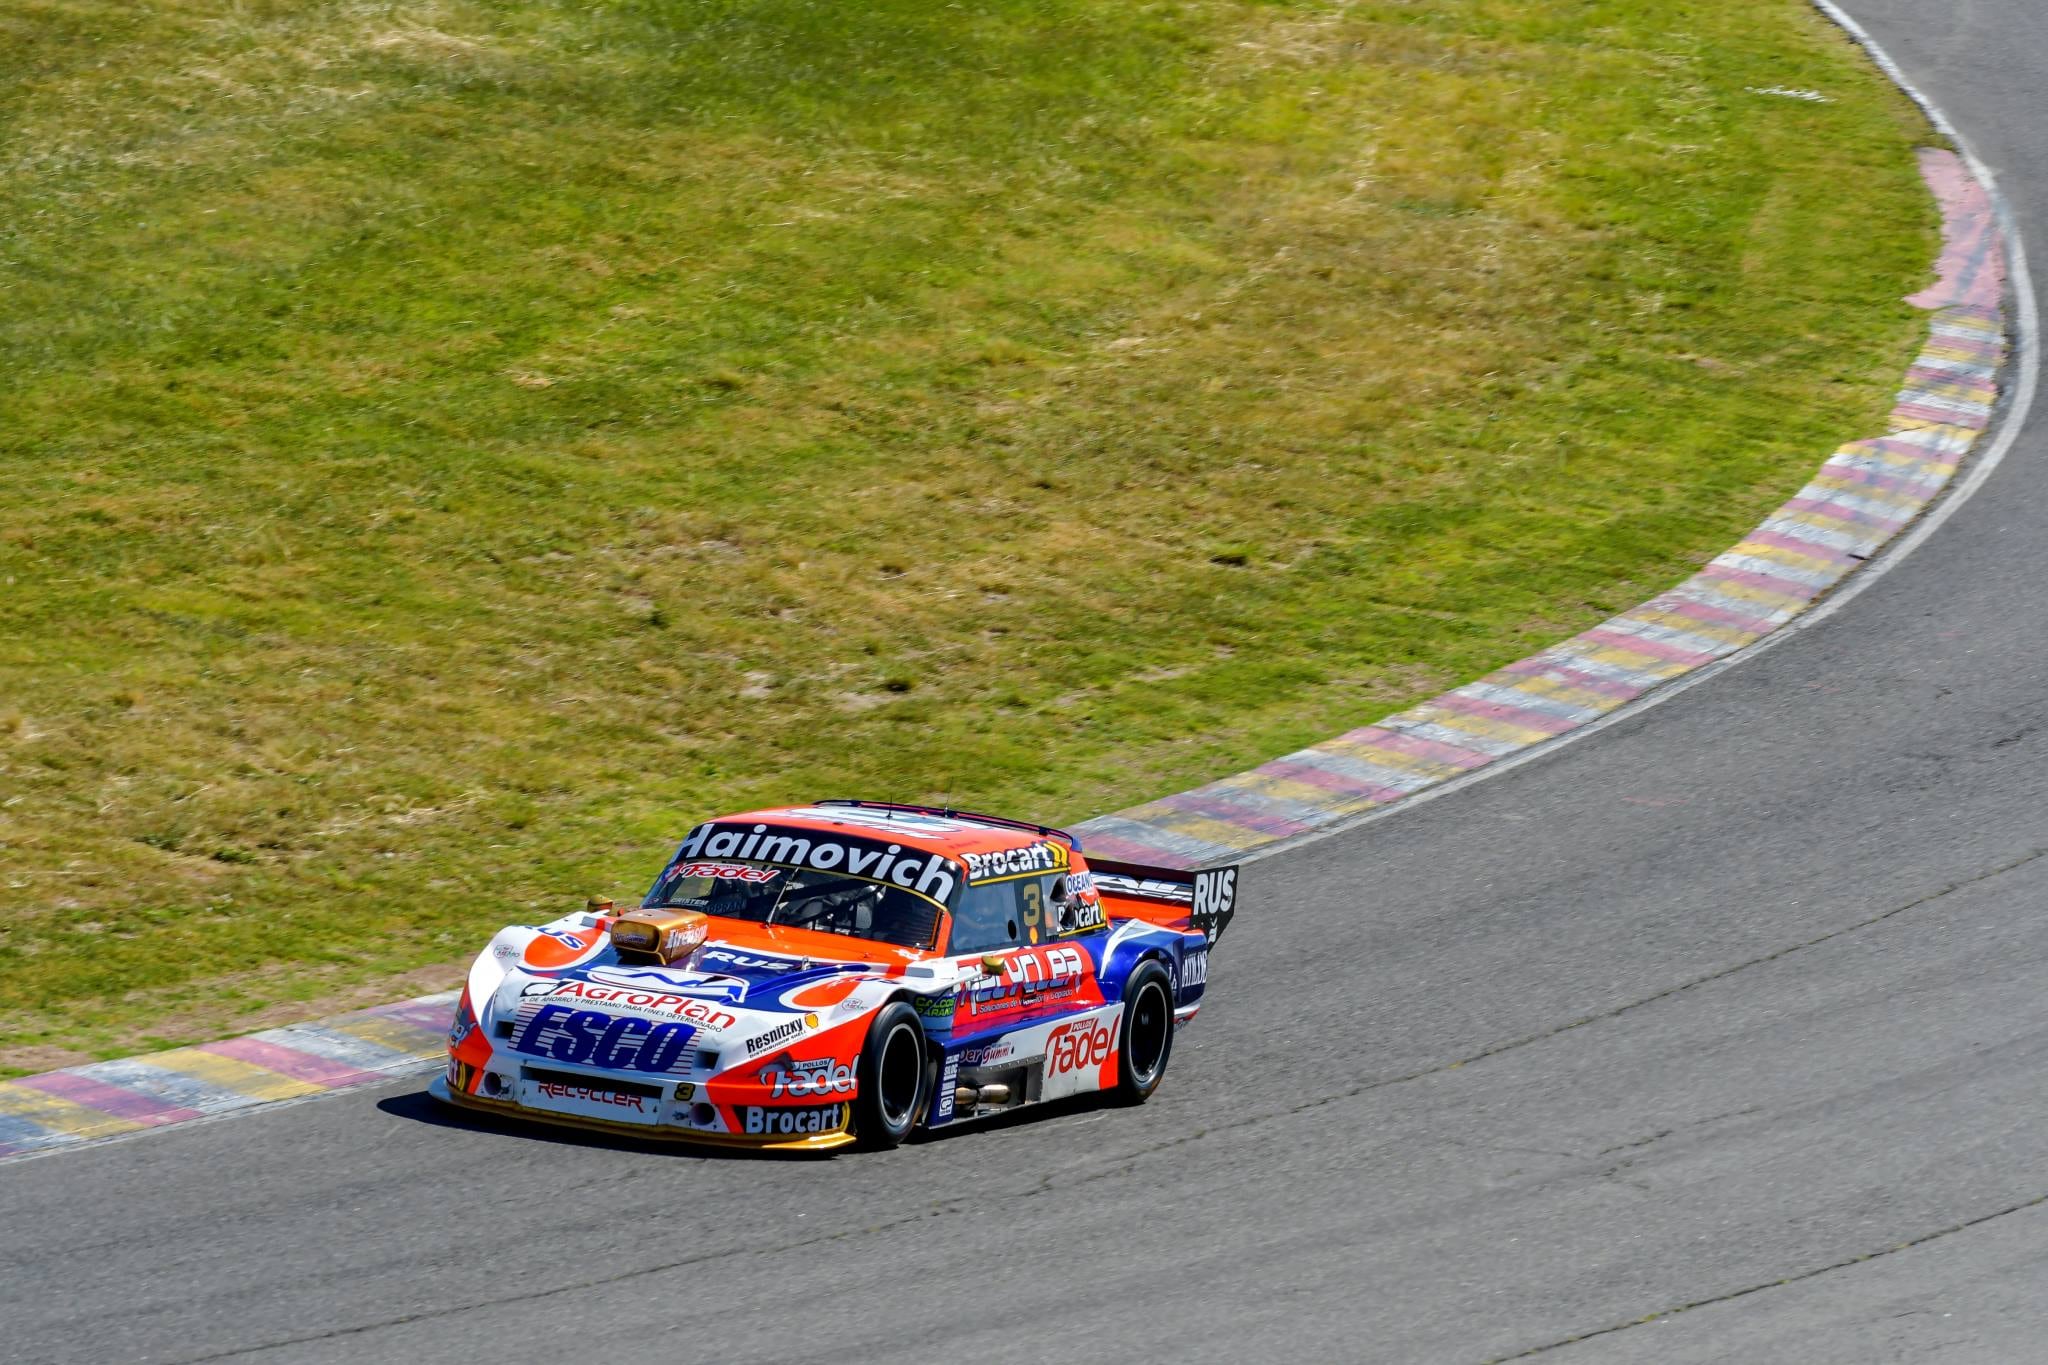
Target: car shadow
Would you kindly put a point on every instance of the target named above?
(1028, 1116)
(419, 1107)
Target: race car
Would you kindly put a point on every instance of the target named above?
(846, 972)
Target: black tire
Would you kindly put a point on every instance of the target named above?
(1147, 1033)
(891, 1078)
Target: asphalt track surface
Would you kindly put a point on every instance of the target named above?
(1735, 1007)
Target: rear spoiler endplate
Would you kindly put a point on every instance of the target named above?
(1208, 894)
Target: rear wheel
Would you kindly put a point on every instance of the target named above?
(1147, 1033)
(891, 1078)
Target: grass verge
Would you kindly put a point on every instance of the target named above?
(448, 447)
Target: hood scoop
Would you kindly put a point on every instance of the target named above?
(663, 936)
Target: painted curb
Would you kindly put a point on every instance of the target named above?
(115, 1099)
(1865, 495)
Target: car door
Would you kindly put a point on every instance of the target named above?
(1031, 935)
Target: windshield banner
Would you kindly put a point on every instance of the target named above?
(929, 875)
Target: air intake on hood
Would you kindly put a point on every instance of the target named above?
(664, 935)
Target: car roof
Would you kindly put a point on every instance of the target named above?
(948, 832)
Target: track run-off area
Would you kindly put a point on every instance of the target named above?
(1714, 1036)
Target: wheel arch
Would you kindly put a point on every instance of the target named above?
(1124, 959)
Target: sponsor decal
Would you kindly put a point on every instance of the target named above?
(949, 1077)
(1080, 917)
(1211, 897)
(590, 1094)
(551, 948)
(1215, 900)
(1194, 968)
(1046, 855)
(1029, 977)
(1046, 964)
(709, 986)
(747, 962)
(618, 1042)
(829, 1118)
(930, 875)
(1078, 1045)
(730, 872)
(781, 1033)
(934, 1006)
(820, 1077)
(988, 1056)
(463, 1024)
(1146, 888)
(622, 997)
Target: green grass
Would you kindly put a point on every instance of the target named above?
(447, 448)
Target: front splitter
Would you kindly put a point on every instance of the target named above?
(440, 1090)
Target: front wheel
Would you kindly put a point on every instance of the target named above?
(1148, 1033)
(891, 1078)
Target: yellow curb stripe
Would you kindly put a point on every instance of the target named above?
(231, 1073)
(1821, 521)
(1705, 630)
(1905, 502)
(1946, 348)
(1367, 751)
(60, 1115)
(1850, 527)
(1907, 422)
(1557, 689)
(1791, 559)
(1963, 436)
(1208, 827)
(1642, 665)
(1744, 592)
(1956, 390)
(395, 1034)
(1892, 460)
(1486, 727)
(1292, 789)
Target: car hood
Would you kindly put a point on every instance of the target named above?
(737, 999)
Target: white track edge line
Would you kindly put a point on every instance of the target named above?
(2024, 365)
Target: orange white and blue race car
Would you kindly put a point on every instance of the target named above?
(848, 972)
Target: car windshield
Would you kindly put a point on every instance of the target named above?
(804, 898)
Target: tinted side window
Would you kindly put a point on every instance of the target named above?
(1007, 914)
(986, 918)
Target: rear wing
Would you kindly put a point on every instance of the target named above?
(1172, 897)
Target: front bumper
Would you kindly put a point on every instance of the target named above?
(439, 1089)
